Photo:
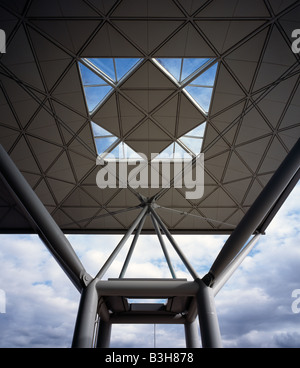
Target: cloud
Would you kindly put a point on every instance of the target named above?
(254, 308)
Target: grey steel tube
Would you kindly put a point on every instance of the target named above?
(132, 247)
(163, 246)
(147, 288)
(191, 335)
(209, 324)
(42, 221)
(174, 244)
(104, 335)
(121, 243)
(86, 318)
(258, 211)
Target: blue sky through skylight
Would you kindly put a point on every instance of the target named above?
(102, 75)
(200, 89)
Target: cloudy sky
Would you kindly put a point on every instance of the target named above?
(254, 308)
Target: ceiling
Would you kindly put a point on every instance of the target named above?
(45, 125)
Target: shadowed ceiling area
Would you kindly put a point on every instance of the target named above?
(46, 123)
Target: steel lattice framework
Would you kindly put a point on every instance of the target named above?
(48, 155)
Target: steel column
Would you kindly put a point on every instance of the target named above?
(121, 244)
(209, 324)
(132, 247)
(191, 335)
(175, 245)
(258, 211)
(42, 221)
(221, 280)
(163, 246)
(104, 335)
(86, 318)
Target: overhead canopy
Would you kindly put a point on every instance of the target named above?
(46, 118)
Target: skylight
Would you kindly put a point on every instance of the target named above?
(100, 76)
(103, 139)
(195, 74)
(187, 146)
(110, 146)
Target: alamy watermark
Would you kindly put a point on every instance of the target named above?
(296, 302)
(184, 173)
(2, 302)
(296, 43)
(2, 42)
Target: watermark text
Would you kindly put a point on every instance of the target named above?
(184, 173)
(2, 42)
(2, 302)
(296, 302)
(296, 43)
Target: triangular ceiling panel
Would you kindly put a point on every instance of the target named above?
(236, 169)
(235, 8)
(274, 156)
(61, 169)
(252, 153)
(246, 57)
(24, 67)
(278, 57)
(130, 115)
(148, 100)
(69, 121)
(225, 34)
(44, 126)
(113, 44)
(148, 131)
(103, 5)
(8, 137)
(167, 115)
(191, 6)
(69, 90)
(45, 152)
(145, 8)
(107, 116)
(275, 102)
(187, 42)
(148, 76)
(189, 117)
(71, 35)
(61, 8)
(147, 35)
(253, 126)
(23, 158)
(227, 91)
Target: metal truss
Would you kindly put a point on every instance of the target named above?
(108, 300)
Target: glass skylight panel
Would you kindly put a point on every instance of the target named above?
(116, 68)
(180, 152)
(89, 78)
(123, 151)
(173, 66)
(95, 95)
(207, 78)
(201, 95)
(181, 69)
(200, 89)
(190, 66)
(103, 139)
(95, 88)
(105, 66)
(124, 66)
(101, 75)
(103, 144)
(194, 139)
